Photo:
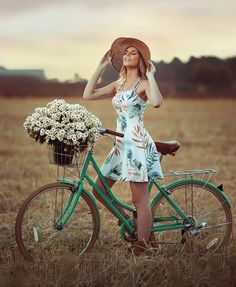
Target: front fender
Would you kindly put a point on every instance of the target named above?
(67, 181)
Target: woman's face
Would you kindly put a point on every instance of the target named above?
(131, 57)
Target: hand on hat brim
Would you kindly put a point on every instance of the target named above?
(106, 59)
(151, 68)
(107, 54)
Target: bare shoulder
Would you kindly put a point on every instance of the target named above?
(141, 90)
(144, 84)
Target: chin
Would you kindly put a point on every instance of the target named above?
(129, 65)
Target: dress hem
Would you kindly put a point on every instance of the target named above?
(130, 180)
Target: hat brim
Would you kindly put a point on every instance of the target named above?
(119, 46)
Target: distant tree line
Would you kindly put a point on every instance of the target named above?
(204, 76)
(199, 77)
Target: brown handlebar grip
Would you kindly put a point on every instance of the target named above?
(114, 133)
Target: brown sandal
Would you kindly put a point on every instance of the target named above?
(141, 247)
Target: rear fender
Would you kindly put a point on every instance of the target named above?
(218, 189)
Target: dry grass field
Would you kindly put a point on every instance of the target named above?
(206, 130)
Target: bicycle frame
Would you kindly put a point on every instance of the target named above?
(177, 224)
(79, 187)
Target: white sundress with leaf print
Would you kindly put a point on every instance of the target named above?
(133, 157)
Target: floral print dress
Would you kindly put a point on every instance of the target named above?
(133, 157)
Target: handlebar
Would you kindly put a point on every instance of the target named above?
(110, 132)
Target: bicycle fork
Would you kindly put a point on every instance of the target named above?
(69, 208)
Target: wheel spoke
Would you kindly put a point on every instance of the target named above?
(208, 211)
(216, 225)
(201, 203)
(36, 232)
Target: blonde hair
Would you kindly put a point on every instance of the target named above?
(123, 73)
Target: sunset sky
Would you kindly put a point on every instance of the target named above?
(68, 37)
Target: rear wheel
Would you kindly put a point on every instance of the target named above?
(208, 210)
(38, 231)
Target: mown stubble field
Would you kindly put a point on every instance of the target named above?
(206, 130)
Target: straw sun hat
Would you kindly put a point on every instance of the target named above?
(119, 46)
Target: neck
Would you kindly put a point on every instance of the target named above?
(132, 74)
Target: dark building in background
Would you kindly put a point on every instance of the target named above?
(33, 83)
(38, 73)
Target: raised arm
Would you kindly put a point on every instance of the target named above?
(152, 91)
(90, 91)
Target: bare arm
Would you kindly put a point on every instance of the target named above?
(152, 91)
(90, 91)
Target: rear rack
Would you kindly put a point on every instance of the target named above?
(203, 174)
(190, 172)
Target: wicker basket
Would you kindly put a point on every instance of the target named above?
(65, 155)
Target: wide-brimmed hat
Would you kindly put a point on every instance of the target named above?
(119, 46)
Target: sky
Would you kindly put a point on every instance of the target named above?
(67, 37)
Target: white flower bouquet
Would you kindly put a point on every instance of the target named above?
(63, 123)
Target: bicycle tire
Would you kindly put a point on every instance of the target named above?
(215, 216)
(35, 231)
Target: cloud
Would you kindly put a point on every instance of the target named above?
(19, 7)
(71, 36)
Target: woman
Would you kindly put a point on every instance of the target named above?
(133, 158)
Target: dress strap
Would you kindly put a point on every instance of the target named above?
(137, 84)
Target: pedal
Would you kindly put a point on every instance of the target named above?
(212, 243)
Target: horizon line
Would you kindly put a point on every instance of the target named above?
(156, 62)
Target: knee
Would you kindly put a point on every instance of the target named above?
(141, 202)
(138, 203)
(135, 202)
(140, 196)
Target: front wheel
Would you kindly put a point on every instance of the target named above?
(205, 206)
(39, 230)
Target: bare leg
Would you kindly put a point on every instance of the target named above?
(140, 198)
(110, 183)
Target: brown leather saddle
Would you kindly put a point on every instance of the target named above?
(167, 147)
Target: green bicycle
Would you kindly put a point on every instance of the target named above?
(64, 215)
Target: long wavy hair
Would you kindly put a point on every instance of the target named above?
(123, 73)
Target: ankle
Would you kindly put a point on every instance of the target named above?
(140, 247)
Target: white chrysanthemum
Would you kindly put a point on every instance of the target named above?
(80, 126)
(65, 122)
(42, 132)
(79, 135)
